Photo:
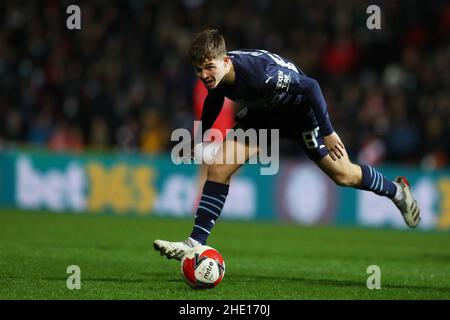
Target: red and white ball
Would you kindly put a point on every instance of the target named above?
(203, 267)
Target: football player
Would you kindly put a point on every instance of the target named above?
(275, 94)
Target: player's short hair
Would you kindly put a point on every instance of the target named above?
(207, 45)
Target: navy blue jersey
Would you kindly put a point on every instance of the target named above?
(264, 79)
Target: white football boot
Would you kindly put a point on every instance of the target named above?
(407, 204)
(175, 250)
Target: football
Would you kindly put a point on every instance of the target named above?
(203, 267)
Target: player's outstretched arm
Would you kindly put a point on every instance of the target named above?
(211, 109)
(311, 88)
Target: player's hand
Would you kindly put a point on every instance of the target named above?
(200, 152)
(190, 154)
(334, 145)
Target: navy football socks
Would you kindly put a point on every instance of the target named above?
(208, 210)
(374, 181)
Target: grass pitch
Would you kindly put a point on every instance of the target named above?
(263, 260)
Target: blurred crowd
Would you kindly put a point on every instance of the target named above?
(123, 82)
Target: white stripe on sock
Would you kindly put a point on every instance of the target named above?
(202, 229)
(202, 207)
(375, 178)
(206, 202)
(204, 195)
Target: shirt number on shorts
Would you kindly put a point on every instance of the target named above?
(310, 138)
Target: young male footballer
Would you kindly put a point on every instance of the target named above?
(275, 94)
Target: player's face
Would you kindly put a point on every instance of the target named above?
(211, 72)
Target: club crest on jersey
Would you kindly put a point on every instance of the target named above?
(283, 81)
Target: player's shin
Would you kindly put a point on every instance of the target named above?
(374, 181)
(209, 208)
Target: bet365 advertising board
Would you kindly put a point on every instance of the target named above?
(142, 185)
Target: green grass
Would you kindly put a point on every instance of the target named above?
(263, 260)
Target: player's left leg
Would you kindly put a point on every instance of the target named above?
(212, 201)
(345, 173)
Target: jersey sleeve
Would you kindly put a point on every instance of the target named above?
(211, 109)
(310, 88)
(285, 79)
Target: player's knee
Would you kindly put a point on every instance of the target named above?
(219, 173)
(345, 179)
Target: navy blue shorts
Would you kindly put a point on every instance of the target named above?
(297, 123)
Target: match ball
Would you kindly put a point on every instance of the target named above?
(203, 267)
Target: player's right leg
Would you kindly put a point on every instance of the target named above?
(215, 191)
(345, 173)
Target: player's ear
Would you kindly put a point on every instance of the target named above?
(226, 59)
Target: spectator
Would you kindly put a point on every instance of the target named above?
(387, 90)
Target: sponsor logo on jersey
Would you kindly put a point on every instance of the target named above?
(283, 81)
